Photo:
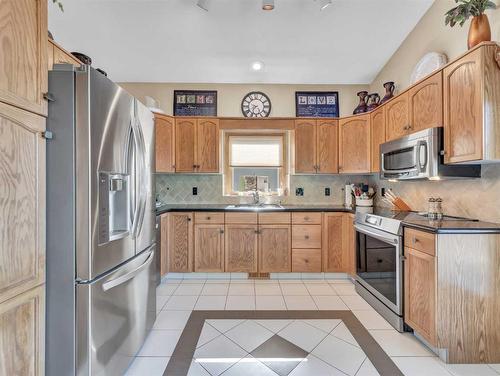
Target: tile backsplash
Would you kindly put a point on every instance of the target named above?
(178, 189)
(470, 198)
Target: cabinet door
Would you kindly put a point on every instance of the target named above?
(22, 339)
(209, 248)
(22, 201)
(180, 242)
(420, 293)
(351, 244)
(426, 103)
(354, 144)
(207, 145)
(463, 109)
(50, 55)
(305, 146)
(164, 245)
(241, 242)
(185, 134)
(165, 143)
(335, 243)
(396, 115)
(275, 248)
(377, 122)
(23, 61)
(327, 147)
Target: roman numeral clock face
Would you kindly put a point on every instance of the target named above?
(256, 104)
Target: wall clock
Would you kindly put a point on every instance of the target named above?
(256, 104)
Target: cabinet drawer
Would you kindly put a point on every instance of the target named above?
(306, 260)
(246, 218)
(209, 217)
(421, 241)
(274, 218)
(307, 218)
(306, 236)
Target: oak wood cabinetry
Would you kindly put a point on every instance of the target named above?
(23, 36)
(180, 242)
(397, 123)
(196, 145)
(472, 106)
(164, 244)
(209, 247)
(355, 144)
(58, 55)
(377, 122)
(275, 251)
(316, 146)
(426, 104)
(241, 248)
(165, 143)
(22, 334)
(336, 255)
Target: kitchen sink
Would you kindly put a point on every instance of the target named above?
(255, 207)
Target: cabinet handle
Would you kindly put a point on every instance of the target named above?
(208, 218)
(306, 218)
(189, 219)
(221, 231)
(415, 240)
(307, 237)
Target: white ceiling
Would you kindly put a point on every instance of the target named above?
(175, 41)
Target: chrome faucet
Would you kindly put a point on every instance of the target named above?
(256, 197)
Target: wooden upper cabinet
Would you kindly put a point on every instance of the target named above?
(23, 61)
(335, 243)
(50, 55)
(207, 145)
(377, 122)
(241, 247)
(185, 135)
(22, 200)
(463, 108)
(327, 147)
(354, 144)
(165, 143)
(397, 117)
(180, 242)
(420, 293)
(209, 248)
(305, 146)
(275, 248)
(426, 103)
(63, 57)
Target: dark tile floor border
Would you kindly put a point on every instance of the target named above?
(184, 351)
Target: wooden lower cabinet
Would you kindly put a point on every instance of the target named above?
(180, 242)
(306, 260)
(420, 293)
(351, 244)
(336, 255)
(22, 334)
(164, 244)
(209, 248)
(275, 248)
(241, 245)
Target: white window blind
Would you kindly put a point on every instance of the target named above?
(255, 151)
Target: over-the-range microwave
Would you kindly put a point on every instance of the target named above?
(419, 156)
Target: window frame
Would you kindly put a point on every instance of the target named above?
(227, 169)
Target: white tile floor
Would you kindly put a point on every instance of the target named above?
(177, 298)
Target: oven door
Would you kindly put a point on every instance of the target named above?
(379, 265)
(407, 159)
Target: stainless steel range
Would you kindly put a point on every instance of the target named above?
(379, 264)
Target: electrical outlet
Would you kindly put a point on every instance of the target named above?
(327, 191)
(299, 191)
(195, 191)
(382, 192)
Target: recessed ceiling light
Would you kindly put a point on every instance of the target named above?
(257, 66)
(267, 4)
(203, 4)
(323, 4)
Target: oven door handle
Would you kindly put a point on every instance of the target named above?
(375, 235)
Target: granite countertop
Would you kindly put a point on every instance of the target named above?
(232, 208)
(447, 225)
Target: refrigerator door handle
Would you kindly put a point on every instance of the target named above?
(139, 171)
(143, 191)
(126, 277)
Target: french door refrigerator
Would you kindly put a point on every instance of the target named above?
(101, 300)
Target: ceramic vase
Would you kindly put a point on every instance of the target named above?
(362, 106)
(389, 91)
(479, 31)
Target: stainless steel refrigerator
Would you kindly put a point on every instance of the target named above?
(101, 300)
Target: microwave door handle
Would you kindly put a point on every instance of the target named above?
(421, 166)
